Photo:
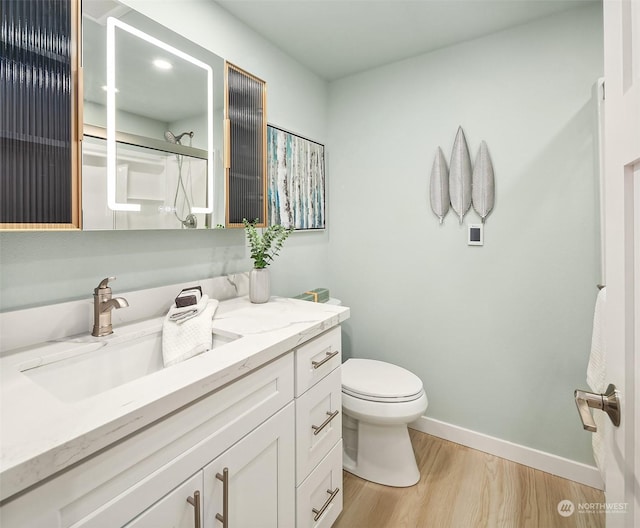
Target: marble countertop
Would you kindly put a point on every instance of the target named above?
(42, 435)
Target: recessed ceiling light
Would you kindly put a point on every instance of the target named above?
(162, 64)
(104, 87)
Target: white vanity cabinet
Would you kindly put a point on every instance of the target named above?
(262, 451)
(319, 431)
(247, 425)
(250, 484)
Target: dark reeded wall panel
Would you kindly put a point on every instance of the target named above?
(35, 111)
(246, 181)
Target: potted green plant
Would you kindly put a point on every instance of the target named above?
(265, 246)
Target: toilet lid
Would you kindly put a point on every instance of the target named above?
(379, 381)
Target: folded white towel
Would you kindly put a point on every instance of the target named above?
(181, 314)
(597, 376)
(186, 331)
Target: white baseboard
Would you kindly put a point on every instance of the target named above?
(556, 465)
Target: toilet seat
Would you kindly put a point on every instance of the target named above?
(380, 399)
(378, 381)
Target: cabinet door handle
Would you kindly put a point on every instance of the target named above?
(318, 513)
(318, 428)
(195, 502)
(318, 364)
(224, 478)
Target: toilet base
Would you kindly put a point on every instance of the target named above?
(384, 455)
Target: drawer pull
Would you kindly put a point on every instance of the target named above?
(318, 364)
(224, 478)
(332, 495)
(195, 502)
(318, 428)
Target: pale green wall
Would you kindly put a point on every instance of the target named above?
(42, 268)
(499, 334)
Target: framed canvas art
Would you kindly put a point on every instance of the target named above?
(295, 180)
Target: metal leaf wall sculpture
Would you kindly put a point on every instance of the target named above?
(460, 176)
(439, 187)
(483, 186)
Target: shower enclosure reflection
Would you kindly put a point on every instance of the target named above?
(167, 186)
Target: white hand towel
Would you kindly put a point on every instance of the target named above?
(596, 369)
(189, 334)
(597, 376)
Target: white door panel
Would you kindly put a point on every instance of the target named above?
(622, 254)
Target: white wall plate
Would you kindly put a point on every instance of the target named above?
(475, 234)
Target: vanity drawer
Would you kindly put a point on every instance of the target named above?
(319, 497)
(315, 359)
(318, 423)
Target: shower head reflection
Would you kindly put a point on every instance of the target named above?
(172, 138)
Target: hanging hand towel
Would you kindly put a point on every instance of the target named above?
(186, 331)
(597, 376)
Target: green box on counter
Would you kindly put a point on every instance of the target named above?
(320, 295)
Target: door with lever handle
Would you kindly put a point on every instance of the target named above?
(608, 402)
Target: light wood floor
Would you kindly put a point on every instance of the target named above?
(464, 488)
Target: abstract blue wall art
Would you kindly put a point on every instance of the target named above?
(296, 180)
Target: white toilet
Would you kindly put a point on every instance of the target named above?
(378, 401)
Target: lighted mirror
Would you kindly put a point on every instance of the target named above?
(153, 125)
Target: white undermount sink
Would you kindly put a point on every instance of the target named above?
(90, 366)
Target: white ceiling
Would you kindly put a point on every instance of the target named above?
(336, 38)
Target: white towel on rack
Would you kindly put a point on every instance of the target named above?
(189, 335)
(597, 376)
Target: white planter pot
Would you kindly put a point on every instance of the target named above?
(259, 286)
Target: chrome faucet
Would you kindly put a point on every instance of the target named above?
(103, 303)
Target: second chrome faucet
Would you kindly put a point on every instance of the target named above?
(103, 303)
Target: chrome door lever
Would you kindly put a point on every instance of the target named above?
(608, 402)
